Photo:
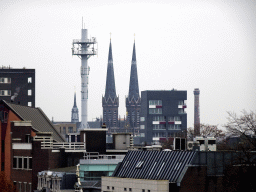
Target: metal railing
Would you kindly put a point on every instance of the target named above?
(47, 143)
(93, 40)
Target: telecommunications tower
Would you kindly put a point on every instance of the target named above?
(84, 49)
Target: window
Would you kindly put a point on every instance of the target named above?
(155, 111)
(30, 189)
(19, 186)
(143, 190)
(177, 118)
(158, 118)
(125, 189)
(64, 130)
(130, 189)
(174, 127)
(25, 163)
(181, 111)
(155, 102)
(70, 129)
(5, 80)
(142, 118)
(30, 163)
(142, 134)
(142, 126)
(5, 92)
(14, 163)
(211, 142)
(107, 187)
(27, 138)
(171, 118)
(20, 162)
(29, 79)
(25, 186)
(30, 104)
(158, 126)
(139, 164)
(113, 188)
(29, 92)
(159, 134)
(180, 102)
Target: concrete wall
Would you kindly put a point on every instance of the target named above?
(122, 141)
(136, 185)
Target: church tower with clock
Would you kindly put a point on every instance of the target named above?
(133, 100)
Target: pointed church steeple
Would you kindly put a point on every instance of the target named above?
(74, 112)
(75, 100)
(134, 84)
(133, 101)
(110, 90)
(110, 102)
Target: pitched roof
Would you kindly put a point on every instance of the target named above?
(154, 165)
(39, 120)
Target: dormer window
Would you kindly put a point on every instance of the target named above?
(139, 164)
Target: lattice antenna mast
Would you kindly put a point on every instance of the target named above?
(84, 48)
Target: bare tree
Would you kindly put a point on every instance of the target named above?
(207, 130)
(243, 126)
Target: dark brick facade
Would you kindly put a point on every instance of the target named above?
(22, 82)
(172, 104)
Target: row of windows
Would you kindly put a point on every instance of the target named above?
(169, 134)
(8, 80)
(126, 189)
(155, 111)
(22, 187)
(5, 80)
(22, 163)
(159, 118)
(8, 92)
(159, 102)
(159, 111)
(158, 126)
(162, 118)
(70, 130)
(159, 134)
(5, 92)
(155, 102)
(163, 127)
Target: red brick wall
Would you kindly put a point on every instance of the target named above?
(8, 143)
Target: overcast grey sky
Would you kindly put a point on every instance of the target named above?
(205, 44)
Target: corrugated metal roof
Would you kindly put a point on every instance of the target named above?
(39, 120)
(154, 165)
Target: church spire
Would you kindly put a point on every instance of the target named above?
(74, 112)
(133, 101)
(134, 85)
(75, 100)
(110, 102)
(110, 90)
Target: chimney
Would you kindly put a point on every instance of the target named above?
(196, 112)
